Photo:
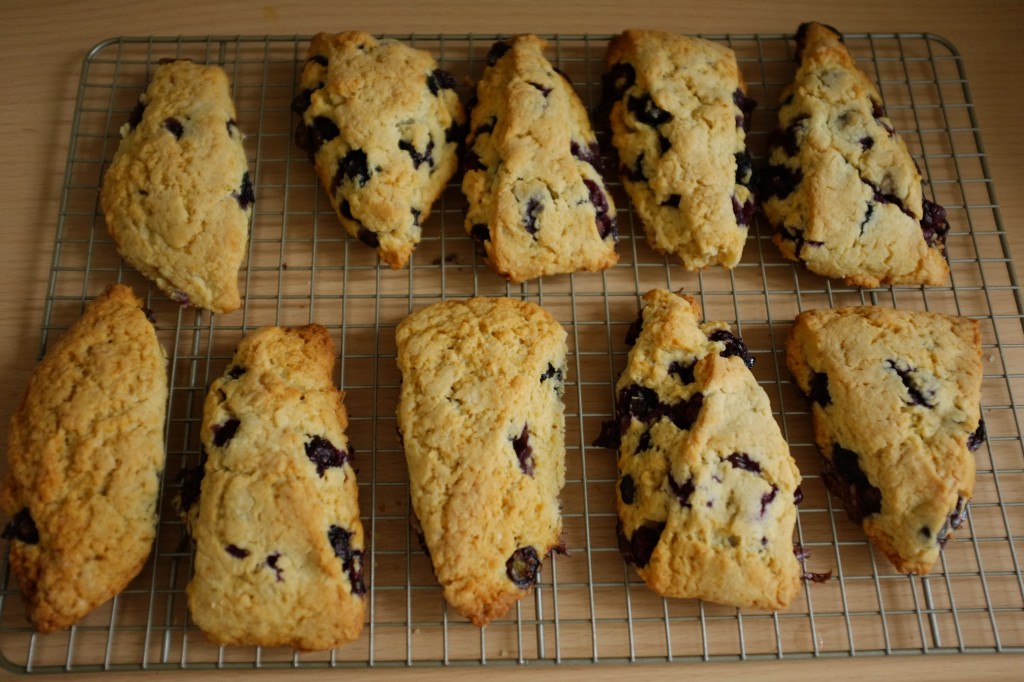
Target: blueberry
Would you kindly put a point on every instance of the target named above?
(635, 327)
(237, 551)
(646, 111)
(324, 130)
(416, 213)
(975, 440)
(345, 208)
(272, 562)
(867, 143)
(591, 153)
(791, 136)
(684, 413)
(319, 59)
(304, 99)
(745, 213)
(627, 488)
(638, 549)
(245, 196)
(798, 495)
(954, 520)
(223, 433)
(522, 567)
(744, 170)
(534, 208)
(174, 126)
(682, 491)
(819, 389)
(368, 237)
(605, 223)
(473, 162)
(637, 402)
(635, 173)
(733, 346)
(887, 197)
(867, 216)
(619, 78)
(878, 112)
(351, 559)
(934, 224)
(480, 233)
(673, 200)
(354, 167)
(181, 297)
(643, 444)
(135, 118)
(767, 498)
(552, 372)
(22, 527)
(800, 553)
(524, 451)
(684, 372)
(191, 479)
(847, 481)
(741, 460)
(609, 437)
(780, 181)
(664, 144)
(148, 312)
(745, 105)
(323, 454)
(906, 373)
(419, 159)
(496, 52)
(439, 79)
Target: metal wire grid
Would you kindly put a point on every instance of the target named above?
(588, 607)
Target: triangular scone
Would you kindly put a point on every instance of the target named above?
(278, 540)
(707, 489)
(177, 196)
(382, 124)
(895, 396)
(841, 189)
(85, 452)
(481, 420)
(537, 202)
(678, 113)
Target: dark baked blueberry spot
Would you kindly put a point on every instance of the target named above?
(975, 440)
(627, 489)
(22, 527)
(609, 437)
(797, 236)
(673, 200)
(304, 99)
(934, 225)
(245, 196)
(780, 181)
(272, 562)
(319, 59)
(135, 118)
(745, 105)
(323, 130)
(741, 460)
(175, 127)
(522, 567)
(605, 223)
(733, 346)
(416, 213)
(812, 577)
(767, 498)
(685, 412)
(591, 153)
(635, 327)
(819, 389)
(638, 549)
(867, 143)
(496, 52)
(351, 559)
(847, 481)
(237, 551)
(953, 520)
(619, 78)
(867, 216)
(800, 553)
(791, 136)
(439, 79)
(368, 237)
(682, 491)
(908, 376)
(744, 170)
(534, 207)
(191, 479)
(638, 402)
(664, 144)
(883, 197)
(798, 495)
(148, 312)
(544, 90)
(643, 443)
(181, 297)
(473, 162)
(323, 454)
(354, 167)
(635, 173)
(524, 451)
(552, 372)
(878, 112)
(480, 232)
(646, 111)
(684, 372)
(745, 213)
(223, 433)
(419, 159)
(345, 208)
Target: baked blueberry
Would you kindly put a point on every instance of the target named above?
(223, 433)
(324, 455)
(522, 567)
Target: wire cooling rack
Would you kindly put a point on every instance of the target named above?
(589, 606)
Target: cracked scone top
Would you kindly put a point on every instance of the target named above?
(895, 396)
(481, 419)
(85, 452)
(382, 124)
(707, 489)
(278, 540)
(841, 189)
(536, 200)
(678, 112)
(177, 195)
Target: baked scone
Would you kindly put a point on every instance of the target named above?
(278, 540)
(481, 419)
(383, 125)
(177, 195)
(85, 452)
(707, 489)
(536, 200)
(896, 399)
(678, 111)
(841, 189)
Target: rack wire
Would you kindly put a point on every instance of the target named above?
(589, 606)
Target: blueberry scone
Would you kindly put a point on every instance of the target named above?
(841, 189)
(481, 420)
(678, 111)
(278, 540)
(177, 195)
(707, 489)
(895, 396)
(85, 452)
(382, 125)
(536, 200)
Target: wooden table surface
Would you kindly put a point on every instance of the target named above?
(42, 46)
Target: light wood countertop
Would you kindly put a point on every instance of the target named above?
(42, 46)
